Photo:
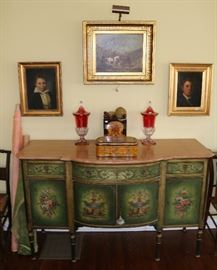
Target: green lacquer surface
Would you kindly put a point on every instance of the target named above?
(118, 173)
(43, 169)
(48, 203)
(185, 167)
(138, 203)
(182, 201)
(95, 204)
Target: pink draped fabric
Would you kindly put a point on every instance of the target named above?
(17, 144)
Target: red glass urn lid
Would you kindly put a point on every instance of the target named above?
(81, 117)
(149, 116)
(81, 111)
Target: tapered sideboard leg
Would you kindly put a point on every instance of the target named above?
(158, 245)
(32, 244)
(198, 242)
(73, 247)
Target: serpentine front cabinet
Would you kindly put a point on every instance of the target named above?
(67, 186)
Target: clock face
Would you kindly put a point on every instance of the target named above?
(115, 128)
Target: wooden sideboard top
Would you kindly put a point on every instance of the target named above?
(66, 150)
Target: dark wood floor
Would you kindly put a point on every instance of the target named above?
(128, 251)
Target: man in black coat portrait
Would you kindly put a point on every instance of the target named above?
(42, 98)
(186, 96)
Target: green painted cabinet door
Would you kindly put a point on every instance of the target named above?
(48, 203)
(182, 201)
(138, 202)
(95, 204)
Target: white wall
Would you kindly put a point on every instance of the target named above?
(51, 30)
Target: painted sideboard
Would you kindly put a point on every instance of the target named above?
(67, 186)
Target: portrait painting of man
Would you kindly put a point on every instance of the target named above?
(40, 88)
(189, 89)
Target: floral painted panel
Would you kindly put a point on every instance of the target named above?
(138, 203)
(182, 201)
(95, 204)
(48, 203)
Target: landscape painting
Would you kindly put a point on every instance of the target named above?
(118, 52)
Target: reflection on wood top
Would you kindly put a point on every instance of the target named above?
(66, 150)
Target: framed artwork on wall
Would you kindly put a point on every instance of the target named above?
(118, 52)
(189, 89)
(40, 88)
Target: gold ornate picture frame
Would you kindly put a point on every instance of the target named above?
(118, 52)
(189, 89)
(40, 88)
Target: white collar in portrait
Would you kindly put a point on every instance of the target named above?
(36, 90)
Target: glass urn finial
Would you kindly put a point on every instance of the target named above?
(81, 121)
(149, 116)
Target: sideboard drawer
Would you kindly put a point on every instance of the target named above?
(45, 169)
(115, 173)
(185, 167)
